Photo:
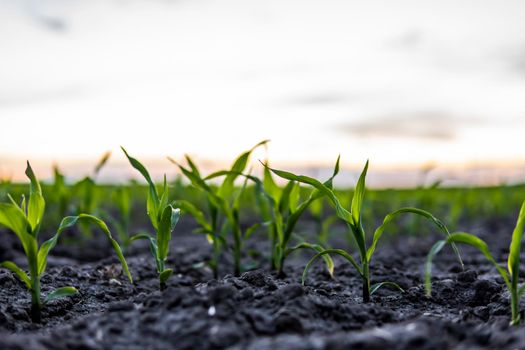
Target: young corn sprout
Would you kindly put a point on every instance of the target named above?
(163, 218)
(24, 220)
(89, 193)
(223, 202)
(353, 220)
(285, 211)
(122, 199)
(509, 275)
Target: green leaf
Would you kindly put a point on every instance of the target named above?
(468, 239)
(379, 231)
(284, 201)
(60, 293)
(196, 213)
(12, 217)
(154, 249)
(340, 252)
(102, 161)
(165, 275)
(515, 245)
(375, 287)
(37, 204)
(357, 199)
(169, 219)
(21, 274)
(521, 290)
(341, 212)
(250, 230)
(238, 166)
(269, 184)
(153, 196)
(315, 247)
(70, 221)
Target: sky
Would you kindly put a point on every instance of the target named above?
(406, 84)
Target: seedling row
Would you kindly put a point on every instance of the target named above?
(233, 206)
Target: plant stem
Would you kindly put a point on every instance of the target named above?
(514, 304)
(237, 245)
(36, 303)
(366, 282)
(215, 259)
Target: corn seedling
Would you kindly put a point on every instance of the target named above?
(224, 207)
(163, 218)
(509, 275)
(353, 220)
(25, 221)
(89, 193)
(286, 209)
(122, 200)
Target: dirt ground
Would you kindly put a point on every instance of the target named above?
(469, 308)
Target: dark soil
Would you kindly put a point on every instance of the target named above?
(258, 310)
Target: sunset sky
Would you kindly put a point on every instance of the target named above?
(402, 83)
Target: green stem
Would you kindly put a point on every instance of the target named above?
(237, 245)
(366, 282)
(514, 304)
(36, 303)
(215, 258)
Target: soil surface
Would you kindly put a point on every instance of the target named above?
(469, 308)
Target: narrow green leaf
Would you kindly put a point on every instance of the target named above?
(169, 219)
(340, 252)
(315, 247)
(341, 212)
(238, 166)
(60, 293)
(21, 274)
(154, 249)
(70, 221)
(375, 287)
(250, 230)
(165, 275)
(12, 217)
(357, 199)
(37, 204)
(468, 239)
(515, 245)
(152, 189)
(379, 231)
(102, 161)
(196, 213)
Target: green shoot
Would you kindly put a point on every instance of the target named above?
(24, 220)
(122, 200)
(89, 193)
(353, 220)
(509, 275)
(224, 207)
(163, 217)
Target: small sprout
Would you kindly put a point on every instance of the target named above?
(509, 275)
(25, 220)
(163, 216)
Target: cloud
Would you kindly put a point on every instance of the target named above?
(316, 99)
(434, 125)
